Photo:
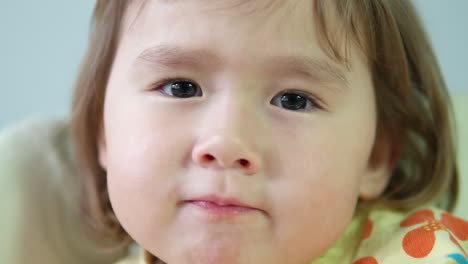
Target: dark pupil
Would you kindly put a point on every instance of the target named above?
(293, 101)
(183, 89)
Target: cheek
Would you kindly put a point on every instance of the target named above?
(142, 188)
(317, 178)
(317, 201)
(135, 177)
(145, 141)
(327, 159)
(142, 168)
(318, 184)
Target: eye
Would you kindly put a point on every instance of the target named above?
(296, 101)
(179, 88)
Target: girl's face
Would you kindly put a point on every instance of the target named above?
(211, 105)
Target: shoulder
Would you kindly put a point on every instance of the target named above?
(28, 141)
(36, 152)
(129, 260)
(39, 191)
(137, 255)
(25, 154)
(426, 235)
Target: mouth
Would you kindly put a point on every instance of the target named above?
(213, 206)
(218, 208)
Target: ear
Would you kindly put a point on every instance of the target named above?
(381, 164)
(102, 146)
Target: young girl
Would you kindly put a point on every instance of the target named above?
(298, 131)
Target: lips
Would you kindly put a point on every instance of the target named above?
(219, 201)
(219, 207)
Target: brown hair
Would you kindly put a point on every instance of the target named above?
(413, 103)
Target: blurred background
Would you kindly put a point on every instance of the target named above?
(40, 49)
(42, 43)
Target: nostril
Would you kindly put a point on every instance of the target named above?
(209, 157)
(244, 162)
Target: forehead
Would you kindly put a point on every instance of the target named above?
(239, 27)
(242, 6)
(260, 17)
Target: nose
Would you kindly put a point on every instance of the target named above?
(230, 139)
(223, 152)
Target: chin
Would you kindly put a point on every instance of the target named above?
(218, 254)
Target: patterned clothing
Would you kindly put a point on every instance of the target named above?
(385, 236)
(425, 236)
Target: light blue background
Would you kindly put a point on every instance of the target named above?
(42, 43)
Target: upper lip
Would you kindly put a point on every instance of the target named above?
(222, 200)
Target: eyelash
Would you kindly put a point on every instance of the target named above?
(314, 100)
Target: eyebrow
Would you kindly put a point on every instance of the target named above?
(174, 57)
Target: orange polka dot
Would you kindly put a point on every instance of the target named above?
(368, 231)
(366, 260)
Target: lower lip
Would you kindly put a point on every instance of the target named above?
(221, 211)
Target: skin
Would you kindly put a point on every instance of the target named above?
(305, 169)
